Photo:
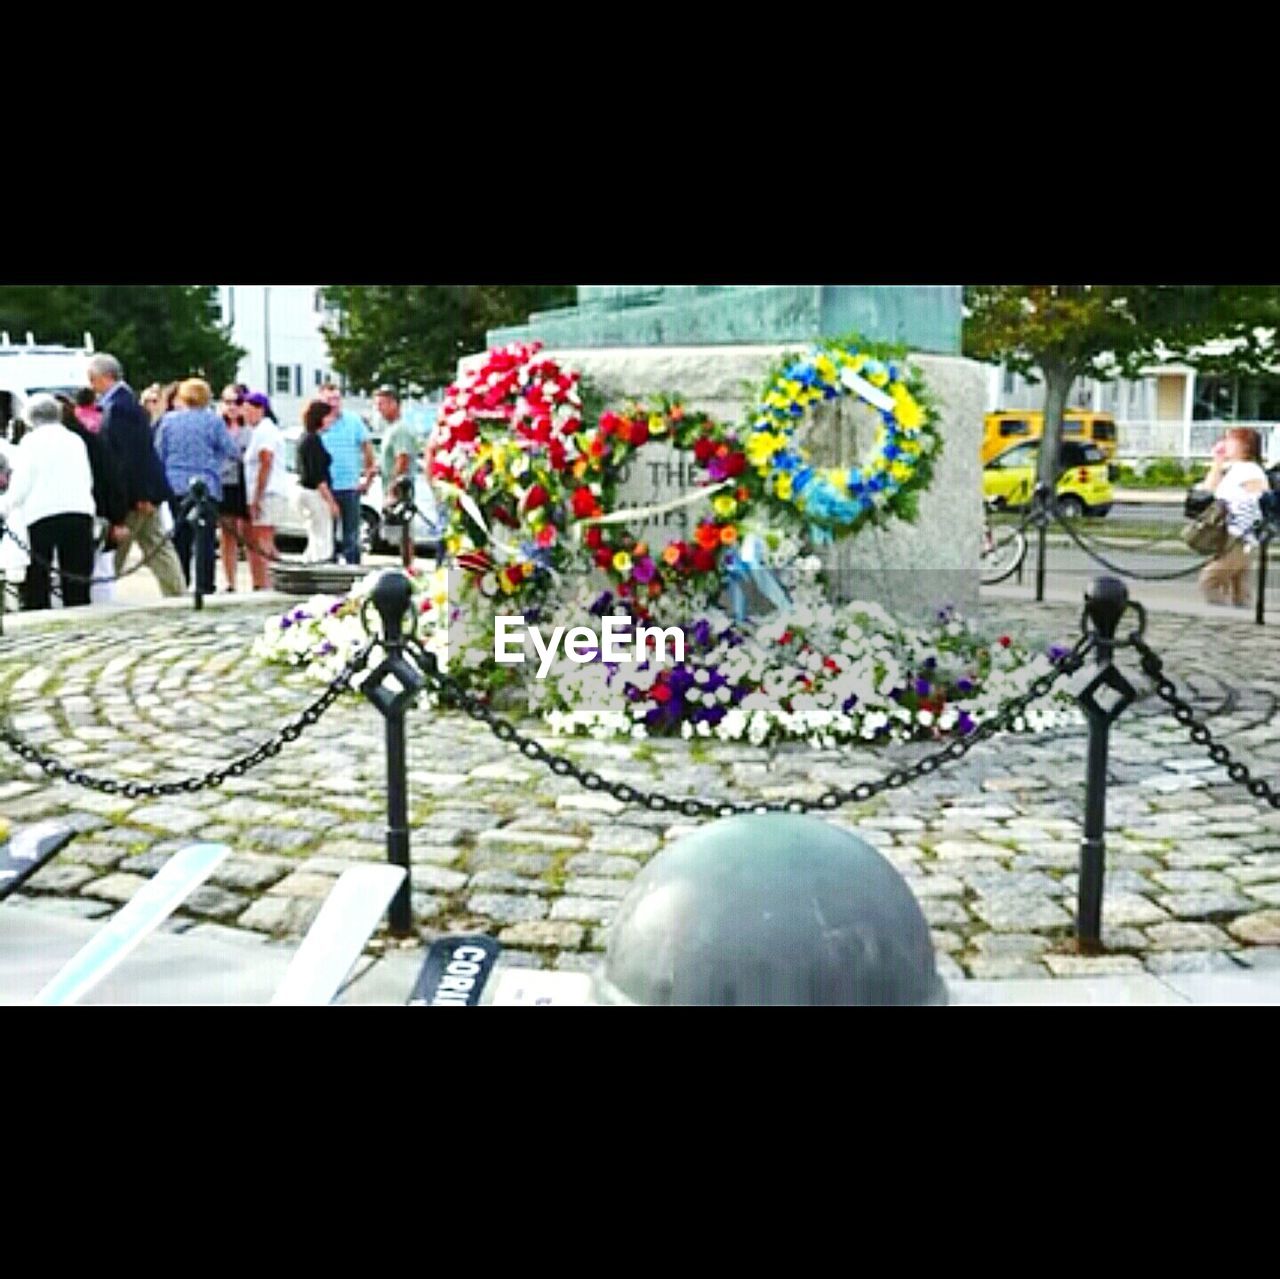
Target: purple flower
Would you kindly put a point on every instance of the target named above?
(964, 685)
(716, 469)
(930, 663)
(965, 724)
(601, 606)
(922, 687)
(642, 570)
(1057, 652)
(702, 634)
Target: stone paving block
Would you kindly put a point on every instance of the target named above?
(251, 872)
(506, 908)
(115, 888)
(1267, 894)
(627, 841)
(552, 934)
(957, 850)
(304, 883)
(589, 802)
(1261, 928)
(280, 915)
(1205, 905)
(504, 882)
(946, 942)
(940, 885)
(944, 910)
(587, 886)
(1193, 881)
(276, 839)
(529, 841)
(511, 863)
(1091, 965)
(990, 967)
(587, 910)
(216, 903)
(1011, 945)
(1015, 914)
(1188, 937)
(61, 879)
(1191, 961)
(168, 817)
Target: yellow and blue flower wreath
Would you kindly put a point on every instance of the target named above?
(837, 501)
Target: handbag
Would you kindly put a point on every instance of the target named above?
(1197, 502)
(1207, 534)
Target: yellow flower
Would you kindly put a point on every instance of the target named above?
(782, 486)
(879, 379)
(454, 544)
(657, 423)
(837, 478)
(825, 368)
(724, 505)
(910, 447)
(762, 445)
(900, 472)
(622, 562)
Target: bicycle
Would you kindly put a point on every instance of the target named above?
(1003, 549)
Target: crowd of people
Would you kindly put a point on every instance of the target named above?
(104, 470)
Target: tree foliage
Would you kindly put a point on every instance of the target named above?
(1060, 332)
(411, 336)
(159, 332)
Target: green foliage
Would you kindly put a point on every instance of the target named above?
(411, 336)
(158, 332)
(1161, 472)
(1065, 331)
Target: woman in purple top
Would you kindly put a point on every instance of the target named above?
(193, 444)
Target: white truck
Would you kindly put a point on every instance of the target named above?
(27, 369)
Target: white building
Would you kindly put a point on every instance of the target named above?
(279, 327)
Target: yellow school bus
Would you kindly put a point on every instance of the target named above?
(1016, 426)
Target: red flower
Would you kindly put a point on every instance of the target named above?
(609, 423)
(703, 449)
(623, 429)
(593, 537)
(703, 560)
(584, 503)
(639, 433)
(604, 556)
(735, 464)
(556, 455)
(660, 693)
(1004, 641)
(571, 425)
(537, 496)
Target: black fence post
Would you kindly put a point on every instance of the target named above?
(1264, 539)
(197, 515)
(1041, 504)
(404, 497)
(391, 687)
(1104, 603)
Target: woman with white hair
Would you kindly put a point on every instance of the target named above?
(52, 493)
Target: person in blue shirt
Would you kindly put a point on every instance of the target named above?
(353, 468)
(194, 444)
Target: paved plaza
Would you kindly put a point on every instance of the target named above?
(989, 845)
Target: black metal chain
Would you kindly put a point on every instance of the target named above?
(1184, 713)
(237, 768)
(1128, 572)
(451, 693)
(48, 566)
(272, 557)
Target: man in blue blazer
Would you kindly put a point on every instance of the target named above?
(126, 428)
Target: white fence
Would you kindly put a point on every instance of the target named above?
(1186, 440)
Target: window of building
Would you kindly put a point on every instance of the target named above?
(297, 379)
(318, 301)
(1009, 379)
(319, 378)
(282, 379)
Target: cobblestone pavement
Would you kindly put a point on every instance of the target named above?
(989, 845)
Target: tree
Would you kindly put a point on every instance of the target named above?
(158, 332)
(1105, 331)
(411, 336)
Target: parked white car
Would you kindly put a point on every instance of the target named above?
(374, 537)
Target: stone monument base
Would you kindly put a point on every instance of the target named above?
(912, 570)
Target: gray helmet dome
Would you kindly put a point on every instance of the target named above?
(770, 909)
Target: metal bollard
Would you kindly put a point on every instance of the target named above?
(770, 909)
(197, 514)
(1104, 603)
(1260, 612)
(391, 687)
(403, 490)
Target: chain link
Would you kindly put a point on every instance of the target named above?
(1184, 713)
(451, 693)
(1127, 572)
(48, 566)
(190, 785)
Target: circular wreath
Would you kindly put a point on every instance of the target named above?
(840, 500)
(639, 570)
(507, 438)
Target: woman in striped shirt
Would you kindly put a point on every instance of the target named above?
(1237, 479)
